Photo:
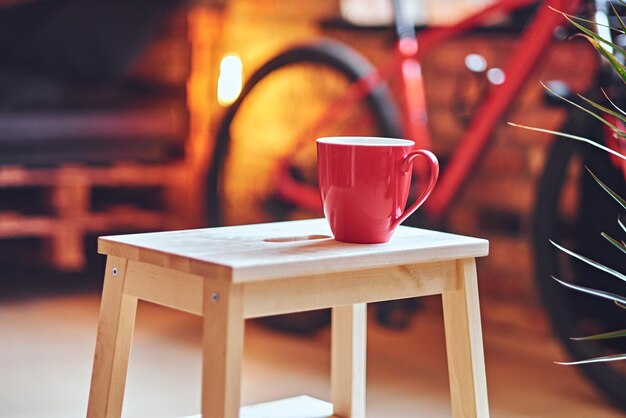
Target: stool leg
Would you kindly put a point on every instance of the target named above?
(115, 333)
(348, 355)
(222, 349)
(466, 364)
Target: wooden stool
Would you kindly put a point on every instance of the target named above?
(233, 273)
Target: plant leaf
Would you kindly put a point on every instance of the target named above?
(615, 242)
(615, 357)
(595, 115)
(592, 263)
(619, 221)
(604, 336)
(594, 292)
(614, 195)
(611, 101)
(570, 136)
(619, 68)
(580, 19)
(591, 35)
(604, 109)
(619, 18)
(594, 39)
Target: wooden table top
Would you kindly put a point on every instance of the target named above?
(284, 249)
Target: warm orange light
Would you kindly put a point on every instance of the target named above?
(230, 79)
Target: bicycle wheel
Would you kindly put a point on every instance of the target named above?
(279, 106)
(572, 210)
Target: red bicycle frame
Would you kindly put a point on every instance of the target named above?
(531, 46)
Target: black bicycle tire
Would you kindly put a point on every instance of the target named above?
(325, 52)
(609, 382)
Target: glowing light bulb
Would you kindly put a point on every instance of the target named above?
(230, 79)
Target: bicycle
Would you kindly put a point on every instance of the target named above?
(354, 99)
(358, 82)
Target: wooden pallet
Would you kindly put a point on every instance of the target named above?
(60, 206)
(67, 203)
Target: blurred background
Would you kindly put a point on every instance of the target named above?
(118, 138)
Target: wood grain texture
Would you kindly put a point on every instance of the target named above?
(233, 273)
(222, 348)
(464, 343)
(348, 359)
(278, 250)
(115, 333)
(70, 204)
(167, 287)
(304, 293)
(296, 407)
(183, 291)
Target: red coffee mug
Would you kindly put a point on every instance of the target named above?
(364, 183)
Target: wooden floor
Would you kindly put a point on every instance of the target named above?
(46, 349)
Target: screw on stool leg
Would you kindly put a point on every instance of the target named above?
(215, 297)
(114, 271)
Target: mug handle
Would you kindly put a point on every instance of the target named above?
(434, 175)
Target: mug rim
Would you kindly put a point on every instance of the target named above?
(368, 141)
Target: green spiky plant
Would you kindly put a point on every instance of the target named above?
(606, 49)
